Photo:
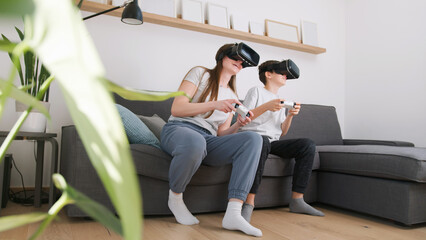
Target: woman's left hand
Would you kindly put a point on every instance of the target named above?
(244, 120)
(294, 111)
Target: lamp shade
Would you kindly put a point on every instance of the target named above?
(132, 14)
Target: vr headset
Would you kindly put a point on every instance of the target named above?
(240, 51)
(287, 67)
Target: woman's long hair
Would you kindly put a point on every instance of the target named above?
(212, 88)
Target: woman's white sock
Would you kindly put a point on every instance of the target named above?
(179, 210)
(234, 221)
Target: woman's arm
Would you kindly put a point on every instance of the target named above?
(181, 106)
(226, 129)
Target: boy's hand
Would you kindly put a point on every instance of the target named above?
(244, 120)
(274, 105)
(294, 111)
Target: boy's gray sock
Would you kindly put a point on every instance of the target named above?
(247, 211)
(298, 205)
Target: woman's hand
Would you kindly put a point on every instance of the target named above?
(242, 121)
(294, 111)
(226, 105)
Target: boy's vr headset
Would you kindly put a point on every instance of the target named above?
(241, 51)
(287, 67)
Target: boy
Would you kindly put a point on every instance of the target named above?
(271, 122)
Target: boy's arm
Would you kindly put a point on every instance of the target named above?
(285, 126)
(273, 105)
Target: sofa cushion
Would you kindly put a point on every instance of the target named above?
(154, 123)
(147, 108)
(136, 130)
(403, 163)
(280, 167)
(155, 163)
(318, 123)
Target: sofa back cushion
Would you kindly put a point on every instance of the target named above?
(137, 132)
(147, 108)
(317, 122)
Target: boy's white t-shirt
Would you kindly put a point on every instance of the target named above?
(199, 77)
(269, 123)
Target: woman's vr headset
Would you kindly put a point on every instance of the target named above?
(240, 51)
(287, 67)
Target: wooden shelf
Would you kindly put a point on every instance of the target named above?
(206, 28)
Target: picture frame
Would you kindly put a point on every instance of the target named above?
(309, 33)
(192, 10)
(283, 31)
(257, 28)
(160, 7)
(118, 2)
(217, 15)
(239, 22)
(99, 1)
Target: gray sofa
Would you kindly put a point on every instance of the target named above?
(382, 178)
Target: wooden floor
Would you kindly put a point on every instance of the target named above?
(276, 223)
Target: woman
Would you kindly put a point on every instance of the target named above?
(200, 132)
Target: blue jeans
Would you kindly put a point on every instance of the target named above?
(191, 145)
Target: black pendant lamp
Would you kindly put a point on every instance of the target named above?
(132, 14)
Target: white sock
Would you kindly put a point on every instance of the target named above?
(179, 210)
(234, 221)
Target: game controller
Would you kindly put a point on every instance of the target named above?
(288, 104)
(242, 110)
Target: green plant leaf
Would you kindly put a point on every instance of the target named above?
(66, 50)
(20, 34)
(79, 4)
(93, 209)
(29, 60)
(30, 66)
(6, 143)
(17, 63)
(142, 95)
(16, 7)
(23, 97)
(44, 74)
(10, 222)
(72, 196)
(6, 45)
(96, 211)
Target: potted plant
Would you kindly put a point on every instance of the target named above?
(66, 50)
(32, 74)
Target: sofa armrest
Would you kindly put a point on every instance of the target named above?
(79, 172)
(377, 142)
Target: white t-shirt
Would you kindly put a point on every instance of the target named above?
(199, 77)
(269, 123)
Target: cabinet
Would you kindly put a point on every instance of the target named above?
(206, 28)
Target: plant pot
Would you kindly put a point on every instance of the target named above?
(36, 121)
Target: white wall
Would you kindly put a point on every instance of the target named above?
(157, 57)
(386, 70)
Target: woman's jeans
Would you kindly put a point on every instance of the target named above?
(191, 145)
(302, 150)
